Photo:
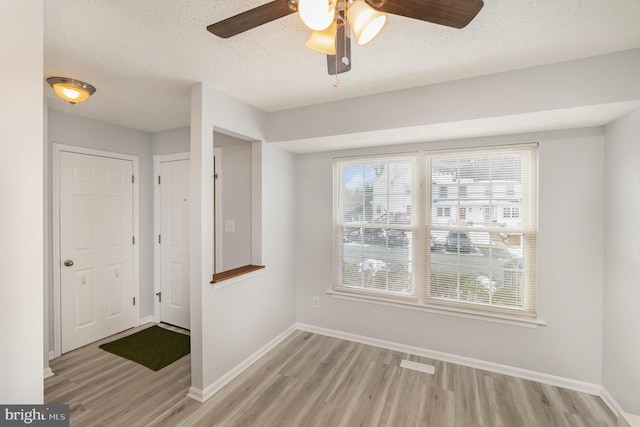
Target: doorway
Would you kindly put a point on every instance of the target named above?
(172, 254)
(95, 202)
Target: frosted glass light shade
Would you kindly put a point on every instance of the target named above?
(324, 41)
(317, 14)
(365, 21)
(72, 91)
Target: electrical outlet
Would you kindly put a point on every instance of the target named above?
(316, 302)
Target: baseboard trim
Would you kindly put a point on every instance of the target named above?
(633, 420)
(48, 373)
(52, 355)
(204, 395)
(526, 374)
(145, 320)
(610, 402)
(196, 394)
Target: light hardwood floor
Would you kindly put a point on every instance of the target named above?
(313, 380)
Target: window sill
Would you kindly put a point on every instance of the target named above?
(507, 319)
(227, 277)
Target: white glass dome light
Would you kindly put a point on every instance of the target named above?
(317, 14)
(71, 90)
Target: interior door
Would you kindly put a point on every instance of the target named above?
(174, 243)
(96, 248)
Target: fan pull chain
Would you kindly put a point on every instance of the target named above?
(345, 60)
(336, 80)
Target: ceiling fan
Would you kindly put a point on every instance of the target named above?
(332, 21)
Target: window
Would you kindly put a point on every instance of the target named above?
(376, 249)
(462, 213)
(511, 212)
(488, 213)
(462, 192)
(443, 212)
(416, 253)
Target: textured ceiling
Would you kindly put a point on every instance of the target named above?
(144, 55)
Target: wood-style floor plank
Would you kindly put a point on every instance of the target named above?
(314, 380)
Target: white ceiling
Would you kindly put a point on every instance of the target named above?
(144, 55)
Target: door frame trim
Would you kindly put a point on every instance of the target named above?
(57, 311)
(157, 268)
(217, 211)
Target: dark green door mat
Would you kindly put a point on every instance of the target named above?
(154, 347)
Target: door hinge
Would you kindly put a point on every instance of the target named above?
(158, 179)
(133, 179)
(159, 238)
(133, 239)
(134, 300)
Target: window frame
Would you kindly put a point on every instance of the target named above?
(423, 207)
(338, 212)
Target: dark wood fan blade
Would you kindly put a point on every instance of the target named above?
(452, 13)
(250, 19)
(335, 64)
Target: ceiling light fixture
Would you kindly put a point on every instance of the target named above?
(317, 14)
(365, 21)
(324, 41)
(333, 21)
(321, 17)
(71, 90)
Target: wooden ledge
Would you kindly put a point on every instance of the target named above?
(235, 272)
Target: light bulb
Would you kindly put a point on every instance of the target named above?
(70, 93)
(317, 14)
(365, 21)
(324, 41)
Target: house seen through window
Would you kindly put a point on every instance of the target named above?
(463, 237)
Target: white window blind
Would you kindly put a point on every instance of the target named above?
(375, 247)
(451, 229)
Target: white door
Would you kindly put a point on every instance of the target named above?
(96, 248)
(174, 243)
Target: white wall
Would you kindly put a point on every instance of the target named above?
(171, 141)
(65, 128)
(235, 178)
(621, 349)
(570, 270)
(232, 322)
(21, 211)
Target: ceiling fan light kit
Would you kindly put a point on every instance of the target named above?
(365, 21)
(317, 15)
(71, 90)
(332, 20)
(324, 41)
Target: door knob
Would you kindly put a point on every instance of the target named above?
(68, 263)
